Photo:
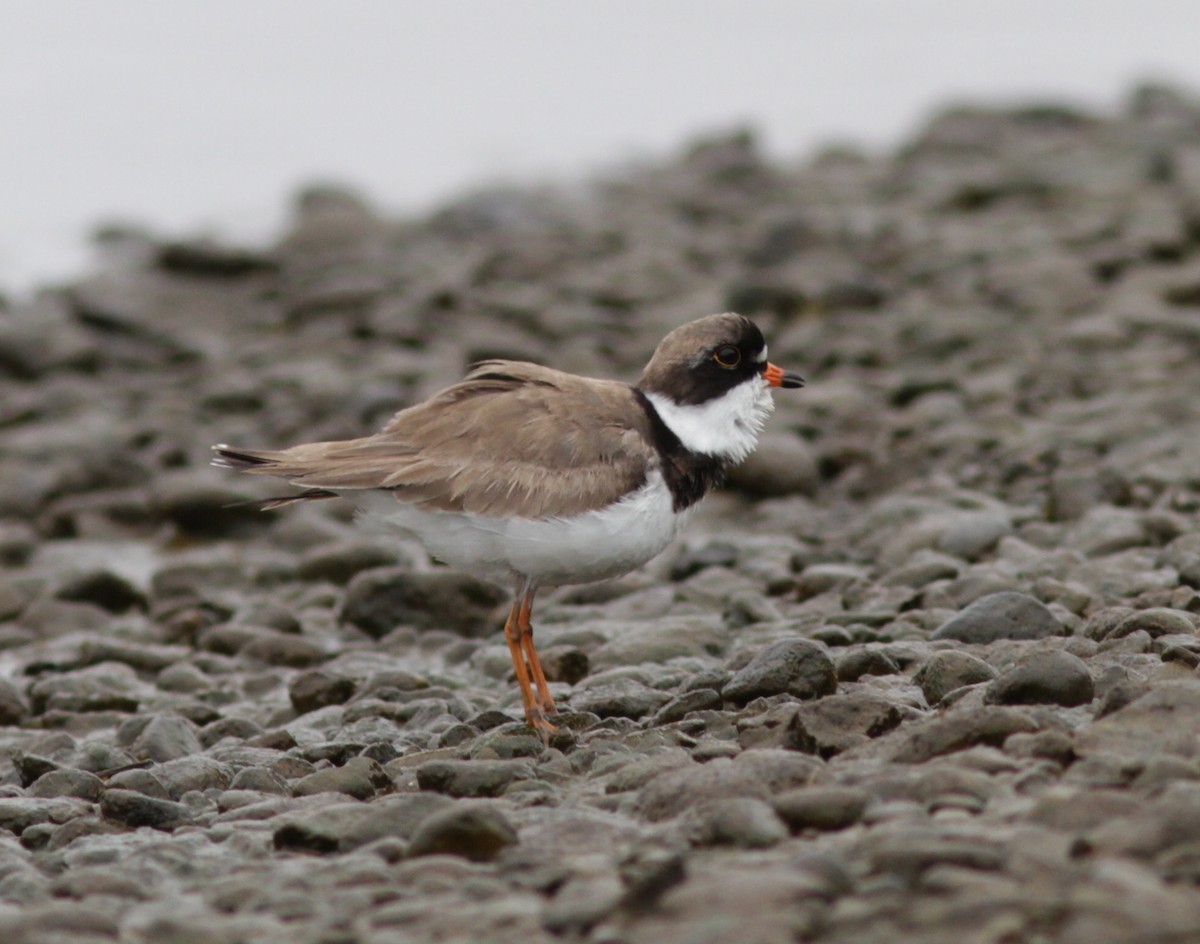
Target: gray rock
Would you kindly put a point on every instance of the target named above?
(106, 687)
(19, 813)
(759, 774)
(312, 690)
(623, 698)
(67, 783)
(341, 562)
(943, 672)
(359, 777)
(1004, 615)
(959, 728)
(1156, 621)
(782, 464)
(821, 808)
(797, 667)
(195, 772)
(260, 780)
(340, 827)
(1157, 722)
(582, 902)
(134, 809)
(840, 722)
(14, 708)
(472, 778)
(853, 665)
(568, 664)
(379, 600)
(971, 534)
(475, 831)
(739, 822)
(698, 699)
(167, 737)
(1046, 678)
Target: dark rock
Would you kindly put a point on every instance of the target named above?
(342, 562)
(475, 831)
(692, 560)
(1004, 615)
(312, 690)
(568, 664)
(1047, 678)
(821, 808)
(134, 809)
(472, 778)
(797, 667)
(623, 698)
(103, 588)
(853, 665)
(943, 672)
(14, 708)
(379, 600)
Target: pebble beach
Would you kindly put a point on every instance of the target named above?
(925, 670)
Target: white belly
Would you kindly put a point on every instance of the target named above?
(597, 545)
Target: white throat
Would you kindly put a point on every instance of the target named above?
(726, 427)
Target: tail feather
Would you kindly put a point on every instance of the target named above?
(229, 458)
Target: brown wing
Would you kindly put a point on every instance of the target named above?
(511, 440)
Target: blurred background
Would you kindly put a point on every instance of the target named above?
(204, 116)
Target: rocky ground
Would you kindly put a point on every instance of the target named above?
(925, 671)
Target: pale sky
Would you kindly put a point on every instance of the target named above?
(206, 115)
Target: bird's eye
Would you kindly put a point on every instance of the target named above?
(727, 356)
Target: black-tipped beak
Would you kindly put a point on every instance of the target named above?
(778, 377)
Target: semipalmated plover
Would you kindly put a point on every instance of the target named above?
(525, 473)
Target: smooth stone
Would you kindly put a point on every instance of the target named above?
(797, 667)
(380, 599)
(340, 827)
(1045, 678)
(134, 809)
(312, 690)
(359, 777)
(472, 778)
(821, 808)
(1004, 615)
(474, 830)
(759, 773)
(853, 665)
(943, 672)
(167, 737)
(67, 783)
(621, 698)
(737, 822)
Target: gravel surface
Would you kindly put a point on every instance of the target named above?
(925, 671)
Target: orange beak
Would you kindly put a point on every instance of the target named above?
(778, 377)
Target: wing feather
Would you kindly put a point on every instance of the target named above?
(511, 440)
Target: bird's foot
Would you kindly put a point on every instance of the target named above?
(540, 722)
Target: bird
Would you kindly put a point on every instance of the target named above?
(528, 474)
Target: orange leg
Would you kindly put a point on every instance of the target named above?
(520, 641)
(545, 701)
